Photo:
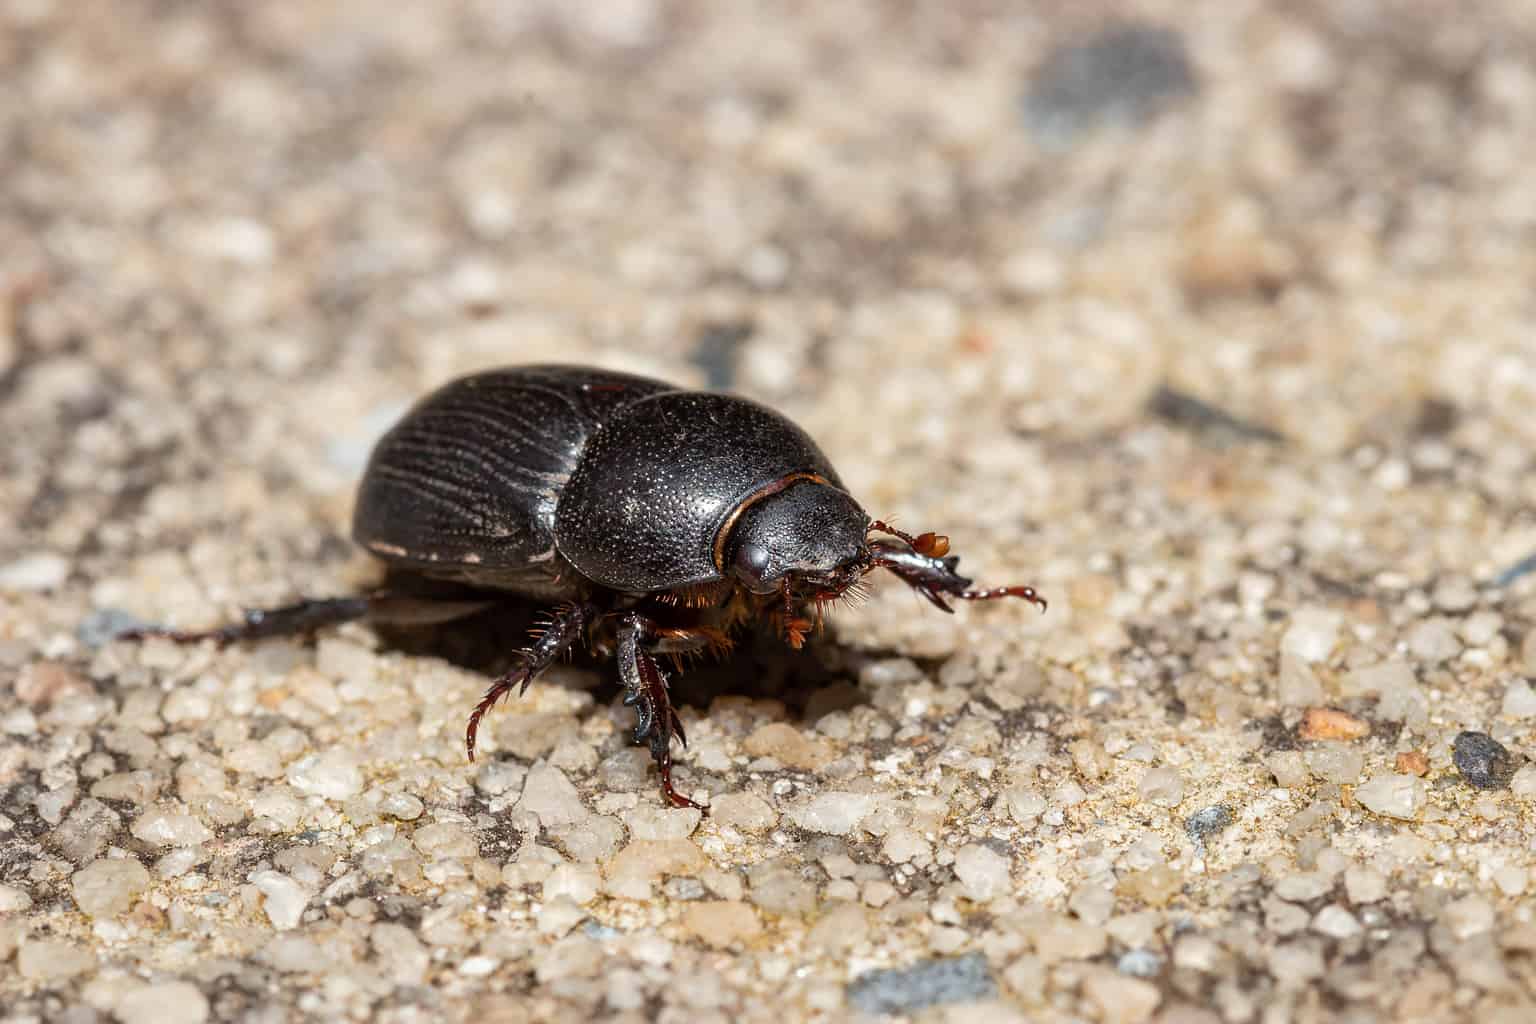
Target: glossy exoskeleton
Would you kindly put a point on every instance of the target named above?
(654, 520)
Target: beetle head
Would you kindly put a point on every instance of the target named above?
(805, 537)
(812, 544)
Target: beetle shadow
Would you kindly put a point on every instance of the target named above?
(811, 682)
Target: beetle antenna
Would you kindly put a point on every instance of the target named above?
(933, 545)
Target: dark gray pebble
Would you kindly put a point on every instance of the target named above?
(1207, 822)
(100, 627)
(963, 979)
(1122, 74)
(1483, 761)
(1140, 963)
(718, 352)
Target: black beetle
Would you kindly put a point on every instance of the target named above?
(659, 519)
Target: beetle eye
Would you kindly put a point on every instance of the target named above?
(751, 563)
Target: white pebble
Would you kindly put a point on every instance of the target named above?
(445, 840)
(41, 571)
(1289, 767)
(1296, 964)
(52, 804)
(1468, 916)
(1304, 886)
(1364, 885)
(1298, 686)
(479, 966)
(405, 806)
(1520, 699)
(170, 1002)
(1312, 634)
(178, 862)
(295, 954)
(1433, 641)
(576, 882)
(1512, 879)
(1480, 628)
(50, 960)
(279, 807)
(161, 827)
(14, 900)
(1092, 903)
(258, 759)
(1336, 762)
(1025, 804)
(401, 955)
(285, 899)
(1523, 784)
(904, 845)
(334, 775)
(19, 722)
(1162, 786)
(1196, 953)
(1455, 594)
(186, 705)
(241, 240)
(835, 813)
(1393, 795)
(649, 822)
(983, 872)
(498, 777)
(106, 888)
(550, 795)
(1118, 999)
(1382, 678)
(1068, 794)
(559, 916)
(1336, 922)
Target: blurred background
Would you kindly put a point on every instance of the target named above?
(239, 238)
(979, 249)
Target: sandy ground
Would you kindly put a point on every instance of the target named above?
(1211, 320)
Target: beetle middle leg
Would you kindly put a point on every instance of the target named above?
(646, 687)
(565, 627)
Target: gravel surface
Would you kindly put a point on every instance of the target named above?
(1212, 321)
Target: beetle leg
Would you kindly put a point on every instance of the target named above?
(691, 641)
(657, 720)
(795, 627)
(935, 578)
(309, 616)
(566, 626)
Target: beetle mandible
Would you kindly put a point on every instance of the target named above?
(655, 520)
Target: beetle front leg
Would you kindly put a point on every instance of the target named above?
(934, 576)
(566, 626)
(646, 687)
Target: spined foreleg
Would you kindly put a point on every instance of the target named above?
(925, 565)
(646, 691)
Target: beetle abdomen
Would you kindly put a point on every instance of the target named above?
(470, 477)
(656, 482)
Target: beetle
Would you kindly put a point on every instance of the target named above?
(654, 520)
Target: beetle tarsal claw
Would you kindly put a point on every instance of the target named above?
(645, 718)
